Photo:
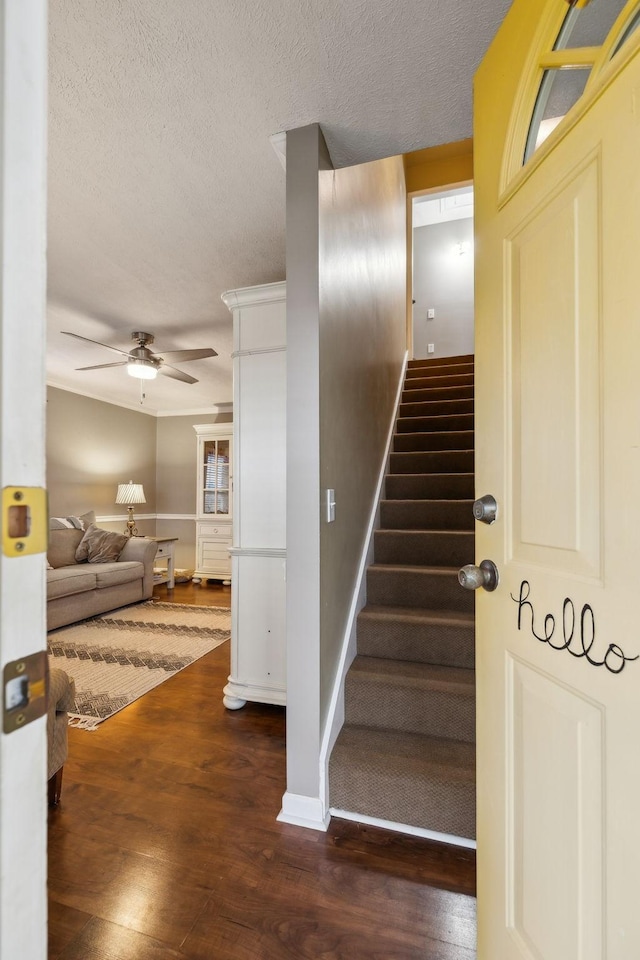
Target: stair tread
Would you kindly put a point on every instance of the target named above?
(434, 500)
(428, 755)
(414, 568)
(417, 615)
(467, 474)
(440, 476)
(457, 357)
(408, 673)
(432, 531)
(434, 453)
(434, 433)
(433, 417)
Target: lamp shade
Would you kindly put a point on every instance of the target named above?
(130, 493)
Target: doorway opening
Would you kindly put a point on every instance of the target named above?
(442, 270)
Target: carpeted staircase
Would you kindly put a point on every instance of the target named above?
(406, 752)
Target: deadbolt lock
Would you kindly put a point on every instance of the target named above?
(485, 509)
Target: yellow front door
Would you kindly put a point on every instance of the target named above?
(558, 446)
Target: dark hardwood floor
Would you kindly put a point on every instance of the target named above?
(166, 846)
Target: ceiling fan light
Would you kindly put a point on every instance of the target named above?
(142, 369)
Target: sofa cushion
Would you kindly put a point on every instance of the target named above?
(63, 544)
(111, 574)
(100, 546)
(65, 581)
(77, 523)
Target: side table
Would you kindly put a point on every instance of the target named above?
(166, 551)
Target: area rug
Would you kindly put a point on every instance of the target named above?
(119, 656)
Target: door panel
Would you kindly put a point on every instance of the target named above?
(559, 828)
(553, 265)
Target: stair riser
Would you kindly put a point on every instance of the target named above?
(424, 487)
(424, 547)
(462, 421)
(444, 370)
(436, 393)
(447, 440)
(437, 461)
(442, 806)
(437, 382)
(431, 362)
(447, 645)
(418, 589)
(437, 408)
(426, 515)
(411, 709)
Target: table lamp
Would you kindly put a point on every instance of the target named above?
(130, 493)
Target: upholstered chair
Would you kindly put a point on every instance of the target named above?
(62, 692)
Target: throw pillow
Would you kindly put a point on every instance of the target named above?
(72, 523)
(63, 544)
(100, 546)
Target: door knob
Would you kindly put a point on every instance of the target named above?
(486, 576)
(485, 509)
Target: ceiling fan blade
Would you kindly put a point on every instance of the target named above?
(102, 366)
(176, 374)
(182, 355)
(122, 353)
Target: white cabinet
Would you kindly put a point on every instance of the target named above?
(258, 554)
(214, 503)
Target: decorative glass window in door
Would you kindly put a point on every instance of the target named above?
(591, 34)
(216, 477)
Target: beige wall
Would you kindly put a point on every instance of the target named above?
(93, 446)
(362, 346)
(176, 481)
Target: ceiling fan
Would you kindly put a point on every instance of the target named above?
(145, 365)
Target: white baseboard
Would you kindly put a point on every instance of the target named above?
(304, 811)
(404, 828)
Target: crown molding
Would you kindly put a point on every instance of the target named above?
(94, 396)
(247, 296)
(224, 406)
(279, 143)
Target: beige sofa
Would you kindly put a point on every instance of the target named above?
(79, 590)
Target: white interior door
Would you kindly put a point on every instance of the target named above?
(558, 445)
(23, 57)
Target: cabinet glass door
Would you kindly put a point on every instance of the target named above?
(216, 477)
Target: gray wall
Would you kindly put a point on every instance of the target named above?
(443, 279)
(306, 154)
(92, 447)
(346, 309)
(362, 346)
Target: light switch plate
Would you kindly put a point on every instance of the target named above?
(329, 505)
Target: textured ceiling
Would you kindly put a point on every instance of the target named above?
(163, 188)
